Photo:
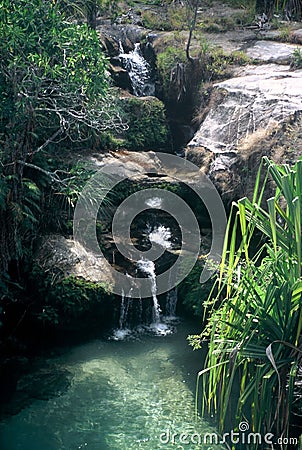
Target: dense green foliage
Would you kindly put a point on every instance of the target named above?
(89, 9)
(147, 124)
(255, 321)
(54, 87)
(174, 20)
(167, 60)
(296, 62)
(53, 71)
(55, 97)
(60, 302)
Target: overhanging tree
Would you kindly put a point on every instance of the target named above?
(54, 86)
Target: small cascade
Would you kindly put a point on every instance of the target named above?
(139, 71)
(140, 311)
(154, 202)
(138, 316)
(123, 311)
(148, 267)
(160, 235)
(123, 330)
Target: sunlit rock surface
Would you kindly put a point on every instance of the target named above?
(251, 106)
(273, 52)
(258, 97)
(144, 167)
(57, 254)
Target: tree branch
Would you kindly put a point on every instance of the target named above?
(54, 177)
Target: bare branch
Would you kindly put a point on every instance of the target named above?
(54, 177)
(49, 141)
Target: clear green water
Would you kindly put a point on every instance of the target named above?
(123, 396)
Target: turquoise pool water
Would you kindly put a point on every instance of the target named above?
(124, 395)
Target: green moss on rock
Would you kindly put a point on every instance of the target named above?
(60, 302)
(148, 129)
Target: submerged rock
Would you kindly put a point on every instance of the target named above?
(43, 384)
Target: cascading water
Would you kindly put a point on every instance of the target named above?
(148, 267)
(139, 71)
(135, 316)
(160, 235)
(154, 202)
(122, 312)
(123, 330)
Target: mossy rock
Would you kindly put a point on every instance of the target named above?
(148, 129)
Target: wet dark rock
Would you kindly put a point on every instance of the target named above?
(120, 77)
(10, 371)
(110, 44)
(112, 35)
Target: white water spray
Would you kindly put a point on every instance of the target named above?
(148, 267)
(161, 235)
(154, 202)
(139, 71)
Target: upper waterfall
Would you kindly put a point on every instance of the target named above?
(139, 71)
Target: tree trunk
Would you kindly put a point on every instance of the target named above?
(91, 14)
(191, 29)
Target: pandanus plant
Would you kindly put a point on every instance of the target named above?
(254, 312)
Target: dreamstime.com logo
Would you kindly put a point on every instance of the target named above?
(178, 170)
(241, 437)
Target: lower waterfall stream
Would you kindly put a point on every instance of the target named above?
(156, 322)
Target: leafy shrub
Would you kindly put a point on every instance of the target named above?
(147, 124)
(297, 59)
(155, 21)
(255, 322)
(175, 19)
(168, 59)
(58, 302)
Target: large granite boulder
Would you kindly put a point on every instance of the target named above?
(59, 255)
(251, 108)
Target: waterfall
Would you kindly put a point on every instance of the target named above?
(133, 318)
(148, 267)
(123, 311)
(160, 235)
(123, 330)
(139, 71)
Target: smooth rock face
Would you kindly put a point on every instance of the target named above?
(56, 253)
(273, 52)
(143, 167)
(296, 36)
(259, 97)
